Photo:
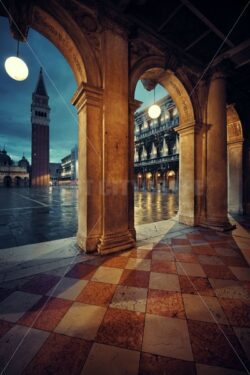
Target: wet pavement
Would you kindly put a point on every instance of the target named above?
(32, 215)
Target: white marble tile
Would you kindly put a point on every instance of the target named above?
(243, 335)
(22, 343)
(130, 298)
(205, 309)
(107, 275)
(229, 289)
(167, 336)
(164, 282)
(16, 304)
(190, 269)
(138, 264)
(105, 359)
(213, 370)
(82, 321)
(242, 273)
(68, 288)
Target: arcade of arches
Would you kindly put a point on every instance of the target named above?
(108, 60)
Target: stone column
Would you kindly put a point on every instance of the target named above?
(133, 106)
(187, 173)
(216, 181)
(88, 101)
(234, 151)
(115, 227)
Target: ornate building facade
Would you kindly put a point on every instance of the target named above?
(11, 173)
(40, 134)
(156, 157)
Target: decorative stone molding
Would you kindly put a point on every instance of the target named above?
(44, 23)
(86, 94)
(110, 243)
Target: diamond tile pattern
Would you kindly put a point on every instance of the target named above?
(176, 308)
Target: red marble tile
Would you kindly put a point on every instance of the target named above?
(116, 262)
(122, 328)
(203, 249)
(151, 364)
(237, 311)
(237, 261)
(5, 327)
(186, 257)
(141, 254)
(161, 246)
(210, 345)
(59, 355)
(180, 241)
(40, 284)
(163, 266)
(97, 293)
(161, 302)
(195, 285)
(82, 271)
(46, 313)
(136, 278)
(195, 236)
(218, 272)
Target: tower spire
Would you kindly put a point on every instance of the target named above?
(40, 86)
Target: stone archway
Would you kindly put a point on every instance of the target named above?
(153, 68)
(75, 33)
(234, 160)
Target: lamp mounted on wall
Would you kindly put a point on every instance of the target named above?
(154, 110)
(15, 67)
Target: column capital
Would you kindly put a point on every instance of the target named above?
(219, 71)
(87, 94)
(188, 128)
(134, 105)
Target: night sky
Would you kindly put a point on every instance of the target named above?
(15, 97)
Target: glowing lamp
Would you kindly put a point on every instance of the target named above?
(154, 111)
(16, 68)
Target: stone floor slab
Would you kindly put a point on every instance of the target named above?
(81, 321)
(105, 359)
(164, 282)
(167, 337)
(16, 305)
(130, 298)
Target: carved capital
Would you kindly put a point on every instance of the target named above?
(87, 95)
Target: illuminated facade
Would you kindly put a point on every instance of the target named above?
(69, 167)
(40, 134)
(156, 154)
(11, 173)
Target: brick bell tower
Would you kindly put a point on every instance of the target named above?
(40, 134)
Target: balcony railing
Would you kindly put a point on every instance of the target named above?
(157, 129)
(163, 159)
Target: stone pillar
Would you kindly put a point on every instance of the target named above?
(115, 227)
(216, 181)
(187, 173)
(133, 106)
(234, 151)
(88, 101)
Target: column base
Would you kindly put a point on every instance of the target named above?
(111, 243)
(87, 244)
(132, 231)
(219, 226)
(188, 220)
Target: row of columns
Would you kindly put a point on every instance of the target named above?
(157, 181)
(106, 158)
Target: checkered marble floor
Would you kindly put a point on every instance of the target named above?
(180, 306)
